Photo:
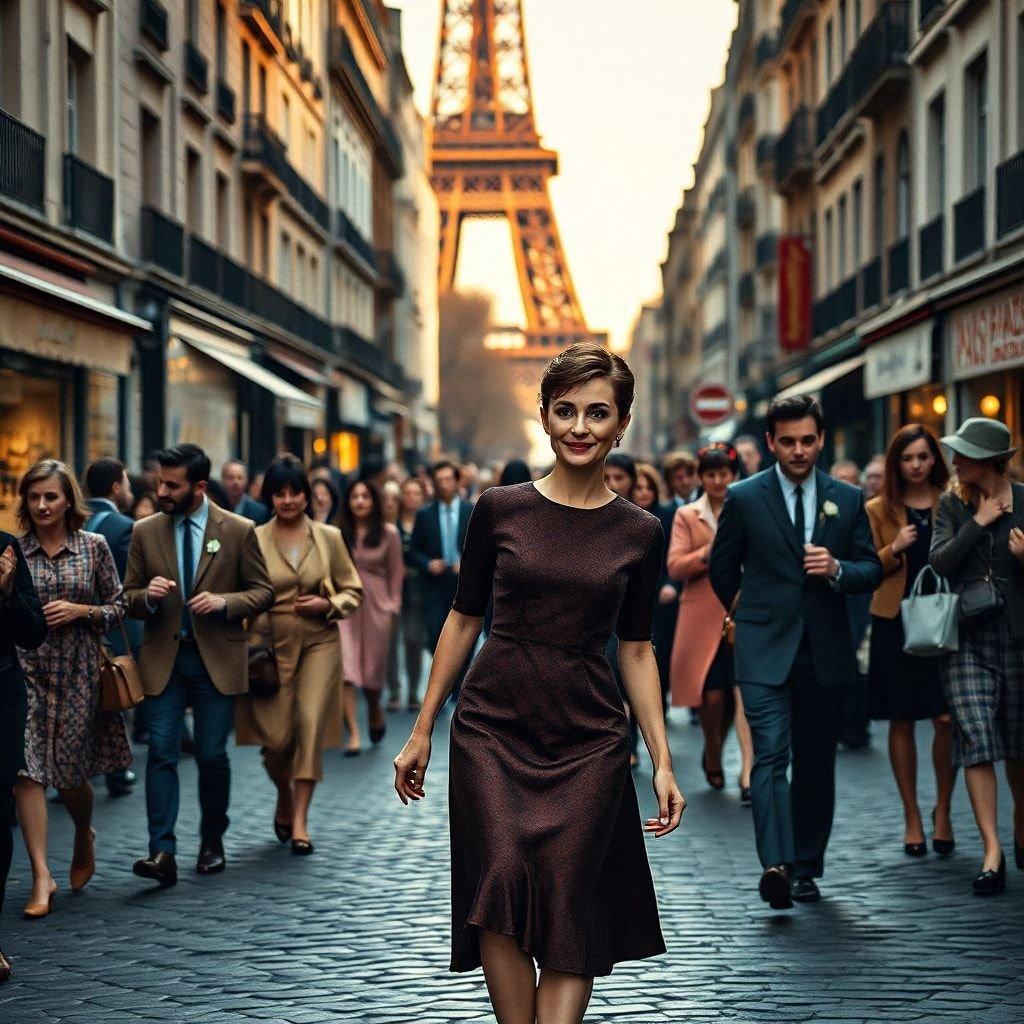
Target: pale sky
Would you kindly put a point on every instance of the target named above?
(621, 91)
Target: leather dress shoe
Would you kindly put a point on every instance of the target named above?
(989, 883)
(121, 783)
(159, 867)
(805, 890)
(775, 888)
(211, 857)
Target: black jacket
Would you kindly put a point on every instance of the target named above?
(21, 614)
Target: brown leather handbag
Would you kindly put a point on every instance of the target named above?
(729, 624)
(120, 682)
(264, 680)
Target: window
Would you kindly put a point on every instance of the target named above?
(314, 283)
(1020, 82)
(828, 249)
(263, 90)
(77, 98)
(222, 43)
(284, 262)
(842, 238)
(829, 55)
(246, 78)
(879, 205)
(858, 21)
(150, 158)
(223, 230)
(248, 236)
(857, 234)
(976, 123)
(194, 190)
(286, 121)
(192, 20)
(937, 155)
(265, 245)
(354, 180)
(843, 37)
(902, 188)
(300, 273)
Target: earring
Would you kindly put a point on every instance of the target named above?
(618, 440)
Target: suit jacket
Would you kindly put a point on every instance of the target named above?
(117, 528)
(666, 512)
(886, 602)
(253, 510)
(21, 614)
(425, 544)
(757, 545)
(236, 570)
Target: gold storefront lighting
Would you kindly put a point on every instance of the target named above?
(990, 406)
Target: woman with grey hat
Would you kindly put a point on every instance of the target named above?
(978, 541)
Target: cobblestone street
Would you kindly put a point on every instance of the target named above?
(359, 932)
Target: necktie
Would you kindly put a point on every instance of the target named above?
(187, 573)
(450, 535)
(799, 521)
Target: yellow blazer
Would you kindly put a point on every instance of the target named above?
(231, 565)
(886, 602)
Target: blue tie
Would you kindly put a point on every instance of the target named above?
(449, 535)
(187, 573)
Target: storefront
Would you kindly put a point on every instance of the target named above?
(350, 427)
(901, 372)
(985, 352)
(65, 363)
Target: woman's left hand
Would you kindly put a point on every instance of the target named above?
(671, 804)
(312, 607)
(1017, 543)
(63, 613)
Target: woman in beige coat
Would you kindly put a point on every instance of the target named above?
(315, 585)
(701, 673)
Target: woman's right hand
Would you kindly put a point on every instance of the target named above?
(904, 539)
(411, 768)
(990, 510)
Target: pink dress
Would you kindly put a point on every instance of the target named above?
(366, 633)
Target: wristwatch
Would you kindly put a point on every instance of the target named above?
(839, 572)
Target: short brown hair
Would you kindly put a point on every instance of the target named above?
(78, 511)
(678, 460)
(583, 362)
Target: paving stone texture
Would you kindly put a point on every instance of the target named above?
(359, 932)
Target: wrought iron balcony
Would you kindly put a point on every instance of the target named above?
(926, 9)
(88, 198)
(836, 308)
(878, 60)
(746, 207)
(225, 101)
(265, 18)
(197, 69)
(767, 49)
(899, 266)
(22, 162)
(930, 244)
(747, 112)
(163, 241)
(346, 231)
(767, 250)
(267, 152)
(969, 225)
(747, 290)
(794, 152)
(153, 23)
(367, 356)
(1010, 194)
(871, 283)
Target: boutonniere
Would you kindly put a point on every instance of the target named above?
(829, 510)
(213, 546)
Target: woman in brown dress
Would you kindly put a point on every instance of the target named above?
(295, 725)
(68, 739)
(548, 858)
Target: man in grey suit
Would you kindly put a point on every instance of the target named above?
(792, 542)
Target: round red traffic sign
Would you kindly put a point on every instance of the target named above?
(711, 404)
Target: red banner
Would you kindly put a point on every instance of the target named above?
(794, 294)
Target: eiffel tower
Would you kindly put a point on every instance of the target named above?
(488, 161)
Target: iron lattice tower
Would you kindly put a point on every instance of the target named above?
(488, 161)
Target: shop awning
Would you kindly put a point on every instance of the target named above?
(814, 384)
(304, 370)
(299, 407)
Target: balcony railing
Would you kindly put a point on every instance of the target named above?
(153, 23)
(1010, 194)
(766, 150)
(225, 101)
(747, 290)
(262, 146)
(197, 69)
(930, 244)
(927, 8)
(882, 49)
(969, 224)
(899, 266)
(794, 151)
(346, 231)
(22, 162)
(871, 283)
(746, 207)
(88, 198)
(767, 49)
(748, 110)
(367, 356)
(265, 16)
(767, 251)
(390, 271)
(163, 241)
(836, 308)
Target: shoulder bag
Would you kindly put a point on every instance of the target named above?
(930, 620)
(120, 682)
(981, 600)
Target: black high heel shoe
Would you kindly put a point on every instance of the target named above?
(915, 849)
(989, 883)
(283, 831)
(716, 780)
(943, 847)
(302, 847)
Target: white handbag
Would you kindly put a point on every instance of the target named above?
(930, 621)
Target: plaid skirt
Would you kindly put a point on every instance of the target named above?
(984, 684)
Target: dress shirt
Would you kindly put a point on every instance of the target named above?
(450, 531)
(810, 493)
(199, 519)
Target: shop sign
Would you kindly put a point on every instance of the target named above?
(988, 335)
(900, 363)
(794, 294)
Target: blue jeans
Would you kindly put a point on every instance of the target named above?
(189, 686)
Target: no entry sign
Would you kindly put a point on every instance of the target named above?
(710, 404)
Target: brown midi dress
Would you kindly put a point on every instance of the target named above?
(546, 839)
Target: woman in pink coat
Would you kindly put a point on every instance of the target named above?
(701, 673)
(376, 548)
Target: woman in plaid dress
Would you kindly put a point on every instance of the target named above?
(979, 532)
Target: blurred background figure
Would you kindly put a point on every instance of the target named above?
(680, 469)
(234, 479)
(620, 473)
(325, 499)
(408, 637)
(515, 471)
(846, 470)
(874, 477)
(749, 450)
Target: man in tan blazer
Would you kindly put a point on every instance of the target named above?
(195, 573)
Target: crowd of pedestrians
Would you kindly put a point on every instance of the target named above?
(778, 618)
